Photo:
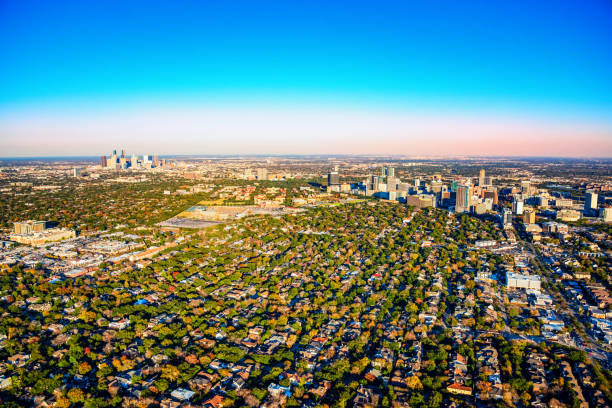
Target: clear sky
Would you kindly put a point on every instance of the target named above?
(404, 77)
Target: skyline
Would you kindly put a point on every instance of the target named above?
(240, 78)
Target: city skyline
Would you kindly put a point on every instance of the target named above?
(488, 79)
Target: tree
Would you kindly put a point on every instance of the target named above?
(414, 383)
(75, 395)
(435, 400)
(84, 368)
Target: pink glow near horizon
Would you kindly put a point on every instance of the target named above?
(300, 131)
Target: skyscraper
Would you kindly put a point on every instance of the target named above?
(526, 187)
(506, 217)
(103, 161)
(262, 173)
(590, 201)
(529, 217)
(481, 178)
(491, 193)
(112, 163)
(134, 161)
(517, 206)
(333, 178)
(372, 184)
(462, 203)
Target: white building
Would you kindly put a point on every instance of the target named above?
(517, 280)
(517, 206)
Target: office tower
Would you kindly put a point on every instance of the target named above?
(417, 183)
(506, 217)
(155, 160)
(387, 171)
(147, 162)
(76, 172)
(481, 178)
(134, 162)
(112, 163)
(491, 193)
(606, 214)
(333, 178)
(122, 153)
(436, 186)
(590, 201)
(372, 183)
(517, 206)
(462, 203)
(453, 186)
(262, 173)
(114, 152)
(526, 187)
(103, 161)
(488, 181)
(529, 217)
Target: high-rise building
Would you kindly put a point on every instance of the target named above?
(436, 186)
(122, 153)
(529, 217)
(462, 203)
(123, 162)
(112, 162)
(103, 161)
(506, 217)
(134, 162)
(526, 187)
(492, 194)
(590, 201)
(606, 214)
(372, 183)
(333, 178)
(391, 172)
(481, 178)
(262, 173)
(517, 206)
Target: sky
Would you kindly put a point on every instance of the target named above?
(324, 77)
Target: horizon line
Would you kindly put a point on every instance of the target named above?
(327, 155)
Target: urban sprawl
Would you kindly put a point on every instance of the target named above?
(306, 281)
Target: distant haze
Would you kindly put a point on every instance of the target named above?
(300, 130)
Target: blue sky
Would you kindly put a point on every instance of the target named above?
(523, 57)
